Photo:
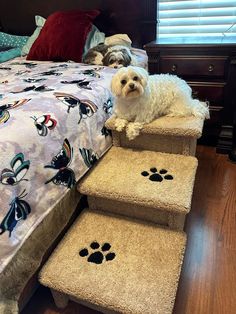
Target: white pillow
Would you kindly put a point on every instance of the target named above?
(118, 39)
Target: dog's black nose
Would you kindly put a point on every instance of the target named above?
(131, 85)
(115, 67)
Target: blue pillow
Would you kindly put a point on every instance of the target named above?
(9, 54)
(7, 40)
(39, 21)
(94, 38)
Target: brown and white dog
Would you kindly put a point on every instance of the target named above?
(113, 56)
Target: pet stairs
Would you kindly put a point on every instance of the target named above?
(124, 253)
(177, 135)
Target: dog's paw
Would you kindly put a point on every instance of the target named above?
(120, 124)
(133, 130)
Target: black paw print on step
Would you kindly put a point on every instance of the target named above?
(157, 176)
(98, 256)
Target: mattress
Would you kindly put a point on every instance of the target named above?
(52, 131)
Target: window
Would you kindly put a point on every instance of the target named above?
(189, 21)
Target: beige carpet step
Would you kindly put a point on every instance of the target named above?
(177, 135)
(146, 185)
(116, 265)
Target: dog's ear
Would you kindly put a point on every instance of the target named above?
(106, 59)
(115, 84)
(143, 74)
(126, 56)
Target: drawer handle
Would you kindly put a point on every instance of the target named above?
(174, 68)
(211, 68)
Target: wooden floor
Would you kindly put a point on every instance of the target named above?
(208, 278)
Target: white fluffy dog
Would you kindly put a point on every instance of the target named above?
(141, 98)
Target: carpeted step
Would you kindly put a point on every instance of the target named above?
(116, 265)
(147, 185)
(177, 135)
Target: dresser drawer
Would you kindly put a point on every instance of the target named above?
(193, 66)
(211, 92)
(215, 116)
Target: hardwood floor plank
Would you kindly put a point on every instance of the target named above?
(211, 229)
(225, 283)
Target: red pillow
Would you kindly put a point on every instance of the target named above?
(63, 36)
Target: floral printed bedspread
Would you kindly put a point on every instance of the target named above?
(52, 131)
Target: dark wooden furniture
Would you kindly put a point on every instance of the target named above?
(210, 71)
(137, 18)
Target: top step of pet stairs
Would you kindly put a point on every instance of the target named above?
(177, 135)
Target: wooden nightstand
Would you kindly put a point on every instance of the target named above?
(210, 70)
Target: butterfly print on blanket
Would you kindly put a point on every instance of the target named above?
(31, 80)
(44, 123)
(19, 168)
(65, 176)
(64, 65)
(5, 68)
(4, 109)
(41, 88)
(80, 83)
(89, 156)
(86, 107)
(91, 72)
(29, 65)
(107, 106)
(48, 73)
(4, 113)
(21, 72)
(19, 209)
(105, 132)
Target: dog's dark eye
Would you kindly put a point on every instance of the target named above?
(120, 61)
(123, 82)
(111, 61)
(135, 78)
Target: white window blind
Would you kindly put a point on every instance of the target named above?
(196, 20)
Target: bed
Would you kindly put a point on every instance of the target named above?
(52, 131)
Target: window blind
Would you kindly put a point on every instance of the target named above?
(197, 19)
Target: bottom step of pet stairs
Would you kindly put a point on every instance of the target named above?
(116, 265)
(146, 185)
(177, 135)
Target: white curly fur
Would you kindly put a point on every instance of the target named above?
(141, 98)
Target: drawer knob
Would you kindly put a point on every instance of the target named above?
(211, 68)
(174, 68)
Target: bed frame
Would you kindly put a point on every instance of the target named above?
(137, 18)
